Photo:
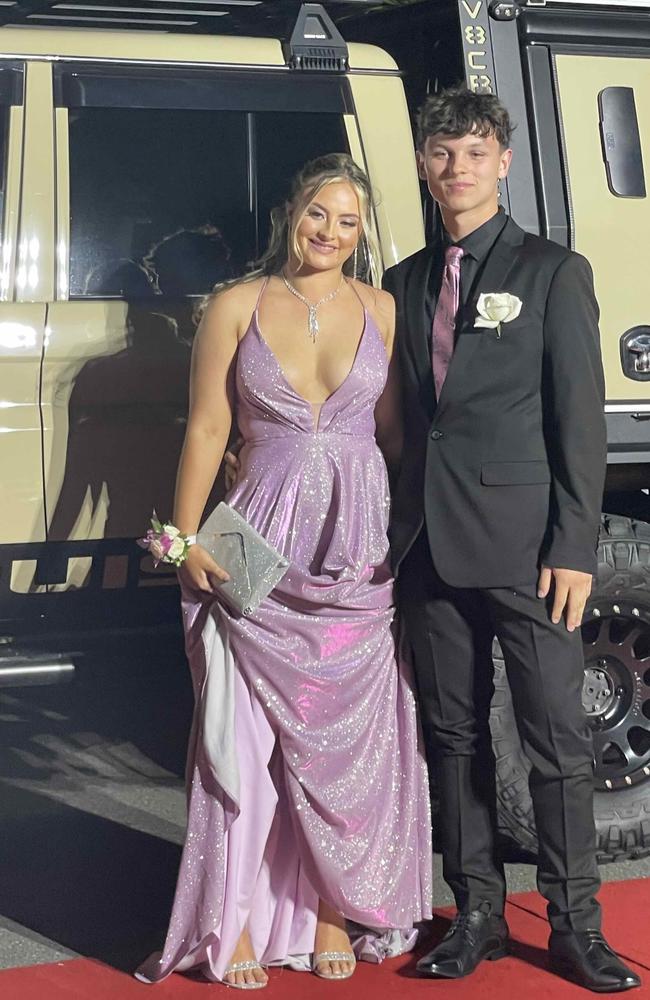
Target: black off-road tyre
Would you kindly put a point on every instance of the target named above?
(616, 695)
(515, 808)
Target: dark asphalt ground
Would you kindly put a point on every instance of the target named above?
(93, 807)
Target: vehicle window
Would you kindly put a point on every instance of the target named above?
(158, 201)
(171, 200)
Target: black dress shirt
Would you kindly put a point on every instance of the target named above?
(477, 246)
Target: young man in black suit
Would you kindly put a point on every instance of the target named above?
(494, 531)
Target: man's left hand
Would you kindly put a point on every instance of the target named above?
(572, 588)
(232, 466)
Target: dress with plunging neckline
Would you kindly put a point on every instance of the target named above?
(331, 796)
(255, 326)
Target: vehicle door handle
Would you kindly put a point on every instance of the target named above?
(635, 353)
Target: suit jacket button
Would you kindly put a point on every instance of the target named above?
(436, 435)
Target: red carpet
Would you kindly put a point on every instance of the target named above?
(524, 973)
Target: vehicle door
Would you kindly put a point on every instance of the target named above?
(604, 106)
(165, 181)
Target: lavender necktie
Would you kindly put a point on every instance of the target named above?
(444, 320)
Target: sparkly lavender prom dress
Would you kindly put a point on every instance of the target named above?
(306, 779)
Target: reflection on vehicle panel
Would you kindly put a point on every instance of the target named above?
(163, 183)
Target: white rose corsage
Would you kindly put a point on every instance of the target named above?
(166, 543)
(495, 308)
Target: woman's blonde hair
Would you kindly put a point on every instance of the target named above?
(333, 168)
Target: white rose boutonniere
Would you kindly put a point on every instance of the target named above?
(495, 308)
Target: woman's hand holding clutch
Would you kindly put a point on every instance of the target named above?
(201, 572)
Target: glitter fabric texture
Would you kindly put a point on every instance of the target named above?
(333, 797)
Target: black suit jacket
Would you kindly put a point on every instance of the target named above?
(507, 469)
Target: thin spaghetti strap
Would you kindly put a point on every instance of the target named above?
(262, 290)
(352, 286)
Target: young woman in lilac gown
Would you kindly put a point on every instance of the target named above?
(308, 795)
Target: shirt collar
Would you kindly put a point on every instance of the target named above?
(478, 243)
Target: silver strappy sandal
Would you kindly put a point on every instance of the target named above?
(243, 967)
(333, 956)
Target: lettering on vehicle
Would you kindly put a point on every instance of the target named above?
(477, 46)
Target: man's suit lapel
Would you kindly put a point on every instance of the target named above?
(415, 293)
(493, 278)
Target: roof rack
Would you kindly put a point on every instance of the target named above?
(159, 15)
(268, 18)
(315, 42)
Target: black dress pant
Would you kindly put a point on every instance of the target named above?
(450, 631)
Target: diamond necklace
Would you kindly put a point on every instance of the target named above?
(313, 327)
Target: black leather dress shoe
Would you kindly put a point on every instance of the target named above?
(472, 937)
(585, 958)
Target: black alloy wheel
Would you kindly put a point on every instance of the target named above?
(616, 698)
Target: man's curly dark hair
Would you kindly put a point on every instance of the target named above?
(457, 111)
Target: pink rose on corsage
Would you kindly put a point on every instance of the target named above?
(165, 543)
(155, 549)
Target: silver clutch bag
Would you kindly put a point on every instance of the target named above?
(253, 565)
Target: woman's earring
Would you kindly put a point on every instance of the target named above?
(355, 258)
